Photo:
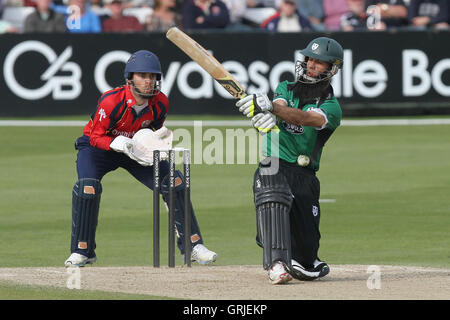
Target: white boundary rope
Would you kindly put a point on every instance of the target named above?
(229, 123)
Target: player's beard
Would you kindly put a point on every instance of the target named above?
(310, 92)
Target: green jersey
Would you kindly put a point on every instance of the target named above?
(292, 140)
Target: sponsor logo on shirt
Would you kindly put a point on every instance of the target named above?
(292, 128)
(123, 133)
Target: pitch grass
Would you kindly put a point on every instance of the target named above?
(10, 291)
(391, 186)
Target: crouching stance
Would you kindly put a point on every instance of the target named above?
(123, 132)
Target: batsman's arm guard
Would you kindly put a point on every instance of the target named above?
(273, 200)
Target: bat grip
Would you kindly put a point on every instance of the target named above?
(276, 129)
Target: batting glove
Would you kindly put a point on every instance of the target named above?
(254, 104)
(264, 122)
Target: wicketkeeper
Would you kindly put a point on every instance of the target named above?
(123, 132)
(286, 189)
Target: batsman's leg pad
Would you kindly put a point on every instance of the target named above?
(196, 237)
(86, 196)
(273, 200)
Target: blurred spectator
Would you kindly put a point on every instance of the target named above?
(60, 6)
(236, 9)
(44, 19)
(120, 23)
(29, 3)
(313, 11)
(137, 3)
(15, 3)
(356, 18)
(81, 19)
(286, 19)
(96, 4)
(333, 11)
(3, 4)
(263, 3)
(204, 14)
(163, 16)
(99, 8)
(125, 3)
(178, 8)
(385, 14)
(6, 27)
(429, 13)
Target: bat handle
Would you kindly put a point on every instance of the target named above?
(275, 129)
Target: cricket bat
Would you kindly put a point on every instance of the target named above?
(210, 64)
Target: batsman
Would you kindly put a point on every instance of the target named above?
(122, 133)
(286, 188)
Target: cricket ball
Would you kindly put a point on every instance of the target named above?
(302, 160)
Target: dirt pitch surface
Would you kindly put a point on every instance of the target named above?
(245, 282)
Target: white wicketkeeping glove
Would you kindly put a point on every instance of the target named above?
(127, 146)
(119, 143)
(264, 122)
(254, 104)
(146, 141)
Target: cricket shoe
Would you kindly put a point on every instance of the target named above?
(203, 255)
(320, 269)
(79, 260)
(278, 273)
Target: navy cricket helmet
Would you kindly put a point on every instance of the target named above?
(143, 61)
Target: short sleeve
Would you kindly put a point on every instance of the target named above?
(281, 92)
(333, 113)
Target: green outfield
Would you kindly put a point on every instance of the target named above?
(387, 189)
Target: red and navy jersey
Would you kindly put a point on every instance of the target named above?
(115, 116)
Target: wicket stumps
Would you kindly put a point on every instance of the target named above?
(171, 206)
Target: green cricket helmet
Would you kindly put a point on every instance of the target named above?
(325, 49)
